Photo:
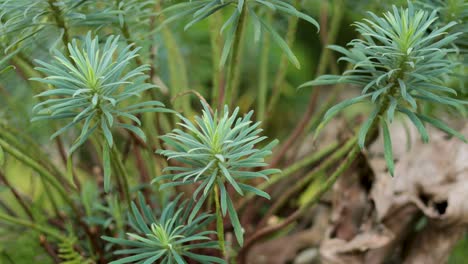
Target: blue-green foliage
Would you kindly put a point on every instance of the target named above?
(400, 63)
(201, 9)
(216, 150)
(168, 239)
(453, 11)
(24, 19)
(94, 87)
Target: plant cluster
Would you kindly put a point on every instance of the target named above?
(165, 239)
(94, 88)
(400, 65)
(202, 9)
(110, 78)
(218, 150)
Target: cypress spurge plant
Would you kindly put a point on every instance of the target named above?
(448, 12)
(90, 87)
(201, 9)
(243, 11)
(93, 90)
(24, 21)
(167, 239)
(219, 149)
(400, 64)
(451, 11)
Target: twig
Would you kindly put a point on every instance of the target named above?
(144, 174)
(197, 94)
(302, 183)
(323, 63)
(235, 65)
(58, 16)
(48, 248)
(43, 229)
(297, 131)
(41, 170)
(325, 186)
(284, 62)
(18, 197)
(264, 232)
(216, 41)
(306, 161)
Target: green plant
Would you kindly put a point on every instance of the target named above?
(448, 12)
(77, 67)
(399, 66)
(218, 150)
(95, 89)
(204, 8)
(168, 239)
(243, 10)
(24, 21)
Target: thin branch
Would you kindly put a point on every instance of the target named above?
(322, 188)
(18, 197)
(48, 248)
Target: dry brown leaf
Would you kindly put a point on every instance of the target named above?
(430, 179)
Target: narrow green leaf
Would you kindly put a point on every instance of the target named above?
(282, 44)
(238, 230)
(223, 196)
(388, 152)
(70, 170)
(207, 14)
(240, 5)
(369, 123)
(255, 190)
(177, 257)
(440, 125)
(106, 166)
(197, 207)
(2, 157)
(391, 109)
(229, 38)
(230, 179)
(135, 130)
(419, 125)
(335, 110)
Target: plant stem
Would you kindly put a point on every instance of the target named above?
(121, 172)
(219, 221)
(263, 74)
(144, 174)
(297, 132)
(49, 249)
(39, 169)
(306, 161)
(178, 78)
(323, 63)
(284, 62)
(324, 187)
(58, 16)
(40, 228)
(304, 181)
(46, 176)
(18, 141)
(216, 40)
(235, 65)
(311, 158)
(18, 197)
(315, 120)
